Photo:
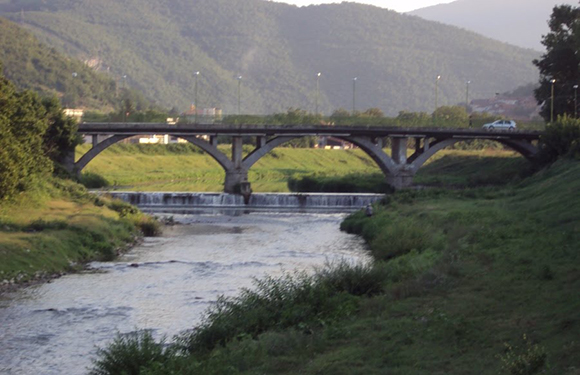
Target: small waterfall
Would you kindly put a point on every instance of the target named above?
(185, 200)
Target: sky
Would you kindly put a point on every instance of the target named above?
(398, 5)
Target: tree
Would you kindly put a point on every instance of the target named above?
(561, 62)
(61, 134)
(22, 126)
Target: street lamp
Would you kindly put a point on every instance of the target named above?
(436, 98)
(552, 102)
(195, 97)
(317, 90)
(354, 95)
(575, 101)
(239, 89)
(437, 92)
(467, 96)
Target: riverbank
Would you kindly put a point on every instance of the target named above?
(58, 227)
(480, 280)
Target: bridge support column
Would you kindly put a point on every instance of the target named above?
(237, 174)
(399, 151)
(402, 179)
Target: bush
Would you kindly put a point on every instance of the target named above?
(93, 180)
(528, 359)
(148, 225)
(561, 139)
(301, 301)
(356, 279)
(128, 354)
(123, 208)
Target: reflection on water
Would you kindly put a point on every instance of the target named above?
(163, 285)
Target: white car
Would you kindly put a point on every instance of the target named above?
(501, 125)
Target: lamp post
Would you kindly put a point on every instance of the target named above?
(125, 101)
(239, 90)
(467, 96)
(317, 90)
(195, 97)
(575, 101)
(354, 95)
(436, 98)
(552, 102)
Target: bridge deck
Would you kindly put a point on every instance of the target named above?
(301, 130)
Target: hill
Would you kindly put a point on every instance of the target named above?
(32, 65)
(278, 49)
(518, 22)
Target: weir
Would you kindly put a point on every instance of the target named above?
(186, 200)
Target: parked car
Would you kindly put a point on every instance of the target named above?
(501, 125)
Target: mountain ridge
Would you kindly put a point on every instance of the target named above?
(499, 20)
(278, 49)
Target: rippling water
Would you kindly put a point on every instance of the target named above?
(163, 285)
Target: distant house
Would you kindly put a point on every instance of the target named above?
(202, 116)
(75, 113)
(521, 108)
(332, 143)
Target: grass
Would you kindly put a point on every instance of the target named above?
(181, 167)
(480, 280)
(58, 226)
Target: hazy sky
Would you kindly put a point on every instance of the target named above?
(398, 5)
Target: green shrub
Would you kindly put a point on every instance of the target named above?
(561, 139)
(93, 180)
(301, 302)
(128, 354)
(149, 226)
(356, 279)
(41, 225)
(123, 208)
(398, 238)
(527, 359)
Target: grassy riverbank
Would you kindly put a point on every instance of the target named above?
(182, 167)
(473, 281)
(58, 226)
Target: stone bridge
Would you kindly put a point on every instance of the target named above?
(398, 168)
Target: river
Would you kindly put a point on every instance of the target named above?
(163, 285)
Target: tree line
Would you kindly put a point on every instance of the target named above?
(35, 137)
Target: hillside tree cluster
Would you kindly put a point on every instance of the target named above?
(35, 137)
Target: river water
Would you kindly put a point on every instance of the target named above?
(163, 285)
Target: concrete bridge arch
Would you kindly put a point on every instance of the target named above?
(398, 168)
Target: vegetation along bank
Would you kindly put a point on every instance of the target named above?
(50, 224)
(472, 280)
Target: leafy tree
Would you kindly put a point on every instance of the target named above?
(61, 134)
(22, 126)
(561, 62)
(450, 116)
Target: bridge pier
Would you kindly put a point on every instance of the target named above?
(236, 174)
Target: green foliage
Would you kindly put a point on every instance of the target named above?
(301, 301)
(22, 126)
(34, 66)
(561, 139)
(128, 354)
(148, 225)
(123, 208)
(61, 135)
(278, 54)
(561, 63)
(528, 359)
(92, 180)
(351, 183)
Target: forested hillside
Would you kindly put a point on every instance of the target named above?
(518, 22)
(32, 65)
(278, 49)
